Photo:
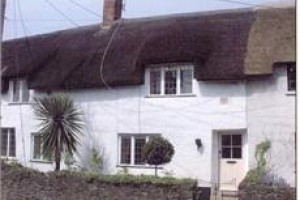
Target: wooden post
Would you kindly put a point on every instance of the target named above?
(2, 16)
(3, 6)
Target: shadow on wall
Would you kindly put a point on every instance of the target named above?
(264, 84)
(108, 93)
(228, 88)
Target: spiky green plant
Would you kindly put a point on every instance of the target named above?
(60, 125)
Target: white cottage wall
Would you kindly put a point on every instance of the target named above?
(271, 115)
(128, 109)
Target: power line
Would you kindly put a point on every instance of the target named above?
(244, 3)
(60, 12)
(43, 20)
(16, 6)
(105, 54)
(21, 19)
(84, 8)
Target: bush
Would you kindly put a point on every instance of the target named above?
(259, 184)
(158, 151)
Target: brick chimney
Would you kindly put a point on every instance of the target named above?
(112, 11)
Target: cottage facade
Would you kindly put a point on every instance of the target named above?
(214, 84)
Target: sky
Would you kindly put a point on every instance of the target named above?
(31, 17)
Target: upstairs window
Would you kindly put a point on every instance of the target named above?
(291, 77)
(8, 142)
(172, 79)
(20, 91)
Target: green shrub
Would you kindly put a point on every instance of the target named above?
(96, 161)
(158, 151)
(256, 176)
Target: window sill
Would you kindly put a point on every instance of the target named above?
(290, 93)
(9, 158)
(139, 166)
(170, 95)
(19, 103)
(41, 161)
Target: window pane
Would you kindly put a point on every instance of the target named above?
(12, 143)
(226, 152)
(170, 82)
(155, 78)
(4, 141)
(237, 140)
(237, 152)
(25, 92)
(125, 150)
(226, 140)
(37, 147)
(16, 91)
(186, 81)
(47, 156)
(291, 73)
(138, 157)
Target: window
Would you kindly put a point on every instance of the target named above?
(20, 91)
(291, 76)
(37, 143)
(8, 142)
(171, 79)
(131, 148)
(231, 146)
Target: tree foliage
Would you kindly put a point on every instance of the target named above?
(158, 151)
(257, 175)
(60, 124)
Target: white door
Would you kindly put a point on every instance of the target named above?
(231, 161)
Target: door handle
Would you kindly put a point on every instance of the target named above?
(231, 161)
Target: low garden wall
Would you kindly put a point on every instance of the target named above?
(256, 186)
(265, 192)
(19, 183)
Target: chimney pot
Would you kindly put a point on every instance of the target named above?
(112, 11)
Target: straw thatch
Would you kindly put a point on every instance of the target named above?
(222, 45)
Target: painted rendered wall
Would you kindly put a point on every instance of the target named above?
(271, 115)
(128, 109)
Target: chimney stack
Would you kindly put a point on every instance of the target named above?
(112, 11)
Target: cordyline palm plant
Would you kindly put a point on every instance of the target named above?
(60, 125)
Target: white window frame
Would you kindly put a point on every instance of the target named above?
(162, 68)
(41, 159)
(132, 150)
(8, 142)
(23, 84)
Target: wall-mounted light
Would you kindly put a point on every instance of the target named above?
(198, 143)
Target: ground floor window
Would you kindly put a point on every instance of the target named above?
(131, 147)
(8, 142)
(37, 144)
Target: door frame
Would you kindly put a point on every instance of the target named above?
(216, 155)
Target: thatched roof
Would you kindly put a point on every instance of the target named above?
(223, 45)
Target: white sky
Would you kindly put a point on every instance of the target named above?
(30, 17)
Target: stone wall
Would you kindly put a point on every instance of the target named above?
(265, 192)
(25, 184)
